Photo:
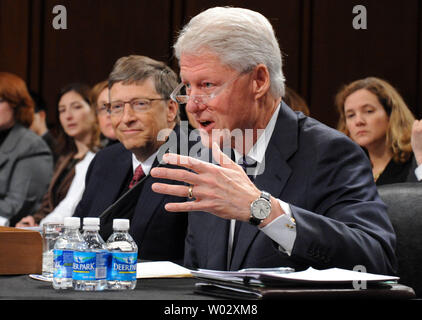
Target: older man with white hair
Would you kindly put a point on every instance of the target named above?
(310, 199)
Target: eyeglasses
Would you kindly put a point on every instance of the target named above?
(181, 96)
(138, 105)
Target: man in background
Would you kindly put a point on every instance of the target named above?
(140, 110)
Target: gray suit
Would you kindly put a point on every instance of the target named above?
(26, 167)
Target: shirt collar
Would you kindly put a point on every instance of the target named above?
(146, 165)
(257, 152)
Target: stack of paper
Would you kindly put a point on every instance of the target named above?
(266, 283)
(279, 276)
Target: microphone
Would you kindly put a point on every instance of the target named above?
(132, 193)
(126, 197)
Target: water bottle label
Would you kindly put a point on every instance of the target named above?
(89, 265)
(123, 266)
(63, 263)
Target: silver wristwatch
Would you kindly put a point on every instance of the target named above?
(260, 208)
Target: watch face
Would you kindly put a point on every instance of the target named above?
(261, 209)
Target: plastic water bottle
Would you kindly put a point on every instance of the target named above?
(121, 274)
(63, 253)
(90, 261)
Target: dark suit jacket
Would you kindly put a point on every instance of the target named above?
(159, 234)
(327, 180)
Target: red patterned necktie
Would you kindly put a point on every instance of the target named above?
(138, 175)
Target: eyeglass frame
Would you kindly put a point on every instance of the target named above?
(130, 102)
(209, 97)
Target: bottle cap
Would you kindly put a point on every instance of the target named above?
(121, 224)
(91, 221)
(72, 222)
(92, 224)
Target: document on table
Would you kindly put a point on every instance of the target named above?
(334, 275)
(276, 284)
(161, 269)
(310, 275)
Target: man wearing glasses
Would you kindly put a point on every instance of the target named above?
(313, 204)
(118, 184)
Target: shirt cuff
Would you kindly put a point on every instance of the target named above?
(418, 172)
(282, 229)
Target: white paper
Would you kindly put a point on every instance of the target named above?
(161, 269)
(41, 277)
(310, 275)
(334, 275)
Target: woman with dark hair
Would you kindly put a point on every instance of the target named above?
(375, 116)
(26, 163)
(78, 140)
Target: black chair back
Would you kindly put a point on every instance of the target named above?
(404, 201)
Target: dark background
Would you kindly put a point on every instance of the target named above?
(322, 50)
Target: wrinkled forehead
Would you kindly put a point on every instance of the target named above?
(202, 64)
(130, 89)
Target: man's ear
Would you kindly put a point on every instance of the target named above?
(173, 108)
(261, 80)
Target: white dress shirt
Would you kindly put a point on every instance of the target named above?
(282, 230)
(146, 165)
(418, 172)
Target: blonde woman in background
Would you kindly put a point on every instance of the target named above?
(99, 99)
(375, 116)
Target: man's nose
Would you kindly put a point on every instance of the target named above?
(128, 113)
(195, 104)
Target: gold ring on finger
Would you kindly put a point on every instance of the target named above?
(190, 192)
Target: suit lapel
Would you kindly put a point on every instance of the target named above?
(217, 242)
(10, 143)
(115, 180)
(149, 200)
(275, 174)
(146, 205)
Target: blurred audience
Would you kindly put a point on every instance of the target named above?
(26, 163)
(375, 116)
(99, 99)
(295, 101)
(39, 124)
(78, 140)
